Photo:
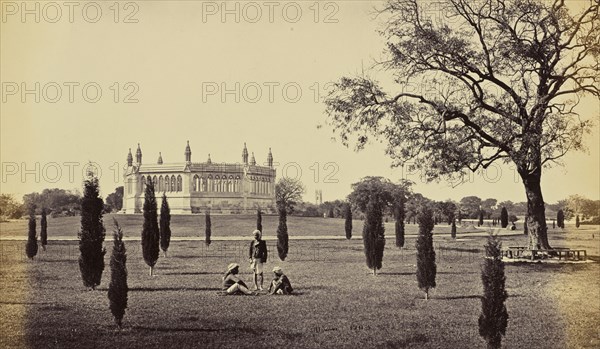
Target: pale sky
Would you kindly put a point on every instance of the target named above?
(176, 61)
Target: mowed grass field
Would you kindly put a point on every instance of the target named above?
(338, 304)
(222, 225)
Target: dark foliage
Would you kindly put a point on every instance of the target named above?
(426, 267)
(560, 219)
(453, 230)
(150, 230)
(165, 224)
(348, 222)
(91, 236)
(114, 201)
(373, 236)
(480, 218)
(31, 248)
(400, 215)
(504, 218)
(44, 229)
(282, 234)
(577, 222)
(494, 317)
(117, 288)
(259, 220)
(208, 229)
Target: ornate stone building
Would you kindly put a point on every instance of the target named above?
(195, 187)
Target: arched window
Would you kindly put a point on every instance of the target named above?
(195, 183)
(160, 183)
(179, 183)
(173, 184)
(203, 183)
(155, 182)
(211, 183)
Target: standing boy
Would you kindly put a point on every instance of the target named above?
(258, 256)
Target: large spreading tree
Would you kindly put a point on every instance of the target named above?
(500, 83)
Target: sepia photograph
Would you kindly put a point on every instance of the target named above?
(300, 174)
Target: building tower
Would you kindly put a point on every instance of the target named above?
(245, 155)
(270, 159)
(160, 160)
(138, 155)
(188, 153)
(252, 160)
(209, 161)
(129, 159)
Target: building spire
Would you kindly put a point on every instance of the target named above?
(160, 161)
(245, 154)
(188, 152)
(252, 160)
(270, 158)
(129, 158)
(209, 161)
(138, 155)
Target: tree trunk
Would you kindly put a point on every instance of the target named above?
(427, 294)
(151, 271)
(375, 271)
(165, 254)
(536, 212)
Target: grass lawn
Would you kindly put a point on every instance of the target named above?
(222, 225)
(338, 304)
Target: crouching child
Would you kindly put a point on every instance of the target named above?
(280, 284)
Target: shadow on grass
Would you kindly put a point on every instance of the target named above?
(451, 298)
(405, 343)
(397, 274)
(195, 273)
(192, 329)
(472, 296)
(149, 289)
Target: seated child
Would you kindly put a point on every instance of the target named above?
(280, 284)
(232, 284)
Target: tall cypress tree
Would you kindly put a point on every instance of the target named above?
(400, 215)
(31, 248)
(504, 218)
(165, 225)
(494, 317)
(117, 288)
(259, 220)
(577, 222)
(150, 231)
(453, 229)
(560, 219)
(207, 229)
(348, 222)
(480, 223)
(282, 234)
(426, 267)
(44, 229)
(92, 233)
(373, 236)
